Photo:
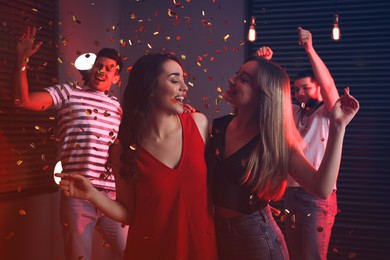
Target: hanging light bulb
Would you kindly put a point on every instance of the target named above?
(252, 30)
(85, 61)
(336, 34)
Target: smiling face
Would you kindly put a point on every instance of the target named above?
(103, 74)
(243, 91)
(306, 91)
(170, 90)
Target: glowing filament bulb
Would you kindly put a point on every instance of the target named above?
(336, 29)
(252, 31)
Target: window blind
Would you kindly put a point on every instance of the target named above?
(360, 60)
(27, 143)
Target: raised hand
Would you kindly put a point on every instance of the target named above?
(25, 46)
(305, 38)
(265, 52)
(345, 109)
(74, 185)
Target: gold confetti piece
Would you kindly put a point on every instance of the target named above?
(133, 16)
(106, 245)
(286, 211)
(226, 37)
(22, 212)
(183, 56)
(203, 13)
(191, 84)
(34, 10)
(133, 147)
(168, 38)
(76, 20)
(96, 111)
(106, 114)
(293, 218)
(32, 145)
(43, 157)
(155, 33)
(171, 13)
(149, 46)
(59, 60)
(88, 111)
(52, 118)
(23, 68)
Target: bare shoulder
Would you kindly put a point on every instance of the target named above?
(200, 120)
(202, 123)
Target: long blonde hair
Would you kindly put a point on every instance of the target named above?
(267, 166)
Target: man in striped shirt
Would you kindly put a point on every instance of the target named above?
(88, 121)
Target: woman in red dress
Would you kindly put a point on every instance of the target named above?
(159, 166)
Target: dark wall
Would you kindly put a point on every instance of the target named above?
(360, 60)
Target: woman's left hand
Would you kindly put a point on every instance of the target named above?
(345, 108)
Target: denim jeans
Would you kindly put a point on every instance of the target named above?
(309, 224)
(250, 237)
(79, 218)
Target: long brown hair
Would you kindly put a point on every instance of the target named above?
(267, 167)
(136, 102)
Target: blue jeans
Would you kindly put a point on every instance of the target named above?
(250, 237)
(309, 224)
(79, 218)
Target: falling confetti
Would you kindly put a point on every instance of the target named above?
(22, 212)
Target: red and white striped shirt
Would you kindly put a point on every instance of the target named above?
(88, 122)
